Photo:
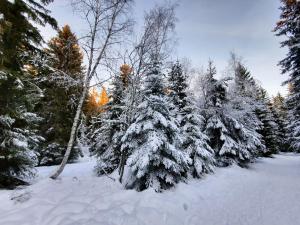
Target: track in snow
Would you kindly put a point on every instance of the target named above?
(266, 194)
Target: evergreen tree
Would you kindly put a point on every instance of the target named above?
(229, 138)
(244, 82)
(19, 32)
(18, 134)
(280, 116)
(153, 140)
(269, 129)
(62, 86)
(177, 86)
(215, 92)
(20, 40)
(66, 54)
(289, 27)
(242, 104)
(109, 127)
(195, 143)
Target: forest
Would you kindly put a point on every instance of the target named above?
(119, 98)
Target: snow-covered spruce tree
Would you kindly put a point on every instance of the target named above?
(62, 85)
(195, 142)
(228, 137)
(18, 93)
(242, 104)
(18, 134)
(280, 115)
(281, 133)
(153, 140)
(109, 128)
(177, 86)
(289, 27)
(269, 128)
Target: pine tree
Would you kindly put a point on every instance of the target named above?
(19, 32)
(109, 127)
(62, 87)
(244, 82)
(195, 143)
(280, 116)
(215, 92)
(20, 40)
(125, 74)
(289, 27)
(229, 138)
(66, 53)
(153, 140)
(177, 86)
(242, 104)
(269, 129)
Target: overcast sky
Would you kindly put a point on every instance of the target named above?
(211, 29)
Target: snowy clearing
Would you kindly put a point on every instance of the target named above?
(266, 194)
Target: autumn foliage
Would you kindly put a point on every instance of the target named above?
(125, 72)
(96, 102)
(68, 55)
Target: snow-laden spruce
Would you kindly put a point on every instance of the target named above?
(108, 129)
(18, 134)
(242, 105)
(289, 27)
(154, 140)
(230, 139)
(195, 142)
(177, 86)
(269, 130)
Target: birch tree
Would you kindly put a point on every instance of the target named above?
(106, 20)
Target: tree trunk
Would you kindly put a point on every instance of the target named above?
(73, 131)
(122, 165)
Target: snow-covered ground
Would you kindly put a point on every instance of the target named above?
(266, 194)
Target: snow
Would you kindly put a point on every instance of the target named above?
(268, 193)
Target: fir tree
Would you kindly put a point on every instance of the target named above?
(66, 53)
(153, 140)
(18, 134)
(289, 27)
(20, 40)
(18, 30)
(195, 142)
(62, 86)
(109, 128)
(269, 129)
(215, 92)
(280, 116)
(244, 82)
(190, 123)
(177, 86)
(242, 104)
(230, 139)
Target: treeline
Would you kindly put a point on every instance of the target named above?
(158, 124)
(178, 131)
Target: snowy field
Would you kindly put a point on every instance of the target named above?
(266, 194)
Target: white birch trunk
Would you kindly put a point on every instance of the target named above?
(73, 131)
(112, 30)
